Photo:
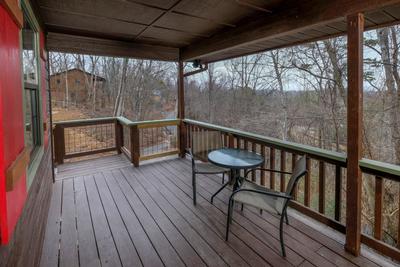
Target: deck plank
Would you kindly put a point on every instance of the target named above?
(126, 250)
(207, 215)
(88, 254)
(105, 242)
(216, 245)
(164, 248)
(50, 250)
(105, 212)
(69, 237)
(145, 248)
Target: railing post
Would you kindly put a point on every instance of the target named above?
(181, 110)
(182, 138)
(355, 30)
(119, 136)
(59, 144)
(135, 145)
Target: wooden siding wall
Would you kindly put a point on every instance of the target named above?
(24, 248)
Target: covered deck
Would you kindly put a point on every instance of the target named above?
(105, 212)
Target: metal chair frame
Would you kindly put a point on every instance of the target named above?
(194, 172)
(287, 196)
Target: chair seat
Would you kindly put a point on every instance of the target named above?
(205, 167)
(260, 201)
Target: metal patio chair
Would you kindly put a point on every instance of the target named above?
(202, 143)
(263, 198)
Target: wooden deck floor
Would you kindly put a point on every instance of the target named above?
(105, 212)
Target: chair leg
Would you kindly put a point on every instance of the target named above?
(281, 236)
(241, 209)
(194, 187)
(228, 222)
(260, 211)
(286, 217)
(223, 178)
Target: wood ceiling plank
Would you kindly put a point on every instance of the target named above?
(163, 4)
(91, 23)
(379, 17)
(102, 47)
(119, 10)
(178, 38)
(187, 24)
(226, 11)
(394, 11)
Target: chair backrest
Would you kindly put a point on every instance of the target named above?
(204, 142)
(299, 171)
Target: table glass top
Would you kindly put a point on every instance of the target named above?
(235, 158)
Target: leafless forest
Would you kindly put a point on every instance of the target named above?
(296, 94)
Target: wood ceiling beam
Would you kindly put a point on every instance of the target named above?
(292, 18)
(58, 42)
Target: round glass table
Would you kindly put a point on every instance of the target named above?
(235, 160)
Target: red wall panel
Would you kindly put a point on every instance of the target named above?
(12, 122)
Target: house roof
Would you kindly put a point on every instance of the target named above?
(209, 30)
(99, 78)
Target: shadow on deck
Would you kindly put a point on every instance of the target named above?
(105, 212)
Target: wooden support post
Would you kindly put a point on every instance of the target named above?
(355, 29)
(181, 111)
(59, 144)
(135, 145)
(119, 138)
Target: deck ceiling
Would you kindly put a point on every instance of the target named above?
(209, 30)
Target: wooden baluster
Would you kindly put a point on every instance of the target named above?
(135, 145)
(262, 178)
(321, 190)
(231, 141)
(283, 169)
(59, 144)
(272, 167)
(253, 174)
(338, 192)
(379, 186)
(307, 183)
(119, 136)
(295, 190)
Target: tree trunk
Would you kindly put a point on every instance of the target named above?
(122, 84)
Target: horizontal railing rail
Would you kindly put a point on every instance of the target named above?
(320, 195)
(326, 171)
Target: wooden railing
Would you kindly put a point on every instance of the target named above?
(326, 170)
(321, 195)
(138, 140)
(149, 139)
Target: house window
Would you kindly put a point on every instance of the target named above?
(31, 85)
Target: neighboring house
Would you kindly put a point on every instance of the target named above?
(74, 83)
